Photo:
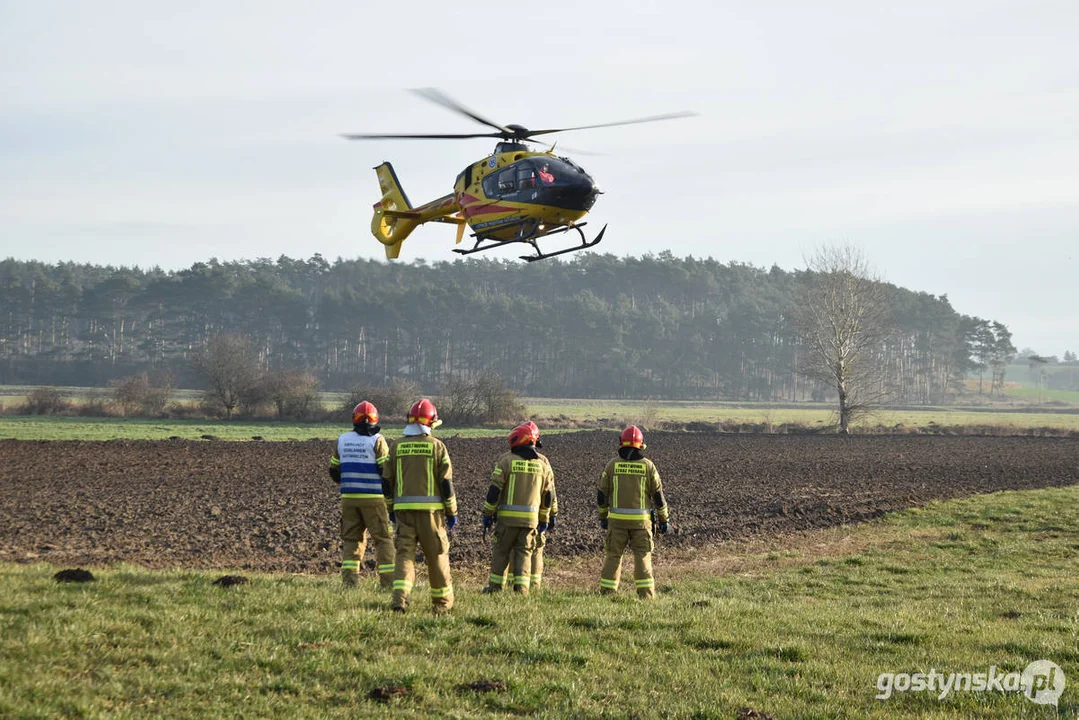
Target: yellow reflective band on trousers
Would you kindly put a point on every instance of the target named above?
(521, 580)
(402, 585)
(499, 580)
(383, 569)
(612, 584)
(442, 592)
(351, 564)
(646, 583)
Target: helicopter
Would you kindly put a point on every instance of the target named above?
(514, 195)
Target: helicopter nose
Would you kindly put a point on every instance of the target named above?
(588, 193)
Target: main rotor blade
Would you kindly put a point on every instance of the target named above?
(653, 118)
(440, 98)
(365, 136)
(572, 151)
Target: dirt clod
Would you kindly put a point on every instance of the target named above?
(485, 686)
(77, 575)
(230, 580)
(385, 693)
(748, 713)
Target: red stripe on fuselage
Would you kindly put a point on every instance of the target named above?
(472, 211)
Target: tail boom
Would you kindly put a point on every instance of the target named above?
(394, 217)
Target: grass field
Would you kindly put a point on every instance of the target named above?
(613, 414)
(22, 427)
(801, 631)
(1034, 395)
(648, 412)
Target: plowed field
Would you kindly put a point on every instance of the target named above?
(272, 507)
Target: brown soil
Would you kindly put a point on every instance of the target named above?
(272, 507)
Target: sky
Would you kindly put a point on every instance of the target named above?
(940, 138)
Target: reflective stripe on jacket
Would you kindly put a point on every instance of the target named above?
(524, 490)
(629, 488)
(419, 475)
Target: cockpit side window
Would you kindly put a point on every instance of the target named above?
(526, 176)
(507, 181)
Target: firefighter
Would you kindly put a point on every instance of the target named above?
(630, 492)
(536, 573)
(355, 466)
(417, 481)
(520, 497)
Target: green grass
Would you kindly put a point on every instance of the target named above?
(617, 412)
(1033, 395)
(33, 427)
(954, 587)
(23, 427)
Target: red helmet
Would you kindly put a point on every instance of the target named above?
(633, 437)
(535, 433)
(365, 411)
(523, 435)
(423, 412)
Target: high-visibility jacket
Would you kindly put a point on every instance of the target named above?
(554, 492)
(629, 491)
(524, 488)
(418, 475)
(358, 459)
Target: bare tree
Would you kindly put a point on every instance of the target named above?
(843, 319)
(483, 398)
(392, 401)
(294, 393)
(229, 365)
(143, 391)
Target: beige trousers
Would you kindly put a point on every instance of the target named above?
(640, 541)
(513, 545)
(357, 516)
(427, 528)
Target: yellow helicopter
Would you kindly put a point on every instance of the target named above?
(515, 195)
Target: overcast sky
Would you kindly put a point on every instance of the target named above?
(942, 138)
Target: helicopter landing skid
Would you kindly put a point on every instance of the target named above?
(533, 241)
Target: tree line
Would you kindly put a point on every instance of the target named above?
(593, 326)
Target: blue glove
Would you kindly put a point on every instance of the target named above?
(451, 522)
(393, 518)
(541, 528)
(488, 521)
(663, 527)
(603, 523)
(550, 523)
